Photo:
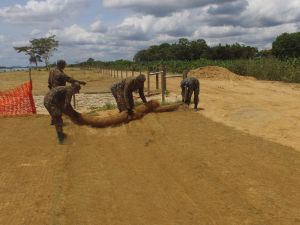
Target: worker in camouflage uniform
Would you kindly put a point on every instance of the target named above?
(122, 92)
(57, 77)
(58, 101)
(188, 86)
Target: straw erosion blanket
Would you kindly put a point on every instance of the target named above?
(167, 168)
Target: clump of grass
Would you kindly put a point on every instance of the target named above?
(167, 93)
(93, 113)
(107, 106)
(138, 103)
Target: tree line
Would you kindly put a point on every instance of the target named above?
(286, 45)
(193, 50)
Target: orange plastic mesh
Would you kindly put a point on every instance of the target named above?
(18, 101)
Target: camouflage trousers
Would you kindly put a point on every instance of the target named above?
(187, 93)
(118, 93)
(55, 113)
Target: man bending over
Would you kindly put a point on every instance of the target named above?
(122, 92)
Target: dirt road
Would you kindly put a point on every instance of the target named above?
(153, 171)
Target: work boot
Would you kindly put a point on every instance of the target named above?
(61, 137)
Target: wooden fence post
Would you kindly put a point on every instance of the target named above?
(157, 80)
(74, 101)
(165, 77)
(29, 73)
(148, 82)
(163, 86)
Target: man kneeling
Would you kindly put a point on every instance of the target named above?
(58, 101)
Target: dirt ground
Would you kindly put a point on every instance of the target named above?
(220, 165)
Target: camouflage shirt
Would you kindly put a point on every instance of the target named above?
(57, 77)
(190, 82)
(60, 97)
(129, 85)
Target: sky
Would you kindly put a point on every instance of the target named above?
(116, 29)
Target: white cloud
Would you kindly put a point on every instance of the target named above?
(98, 26)
(76, 35)
(35, 32)
(35, 11)
(259, 14)
(159, 7)
(2, 38)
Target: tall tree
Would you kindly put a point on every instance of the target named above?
(39, 48)
(45, 47)
(182, 49)
(199, 49)
(34, 58)
(287, 45)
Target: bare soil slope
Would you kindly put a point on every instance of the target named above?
(217, 73)
(171, 168)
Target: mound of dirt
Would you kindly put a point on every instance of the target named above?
(217, 73)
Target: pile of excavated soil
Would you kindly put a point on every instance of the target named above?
(218, 73)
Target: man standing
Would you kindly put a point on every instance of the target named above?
(188, 86)
(58, 101)
(57, 77)
(122, 92)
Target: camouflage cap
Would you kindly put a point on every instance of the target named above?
(141, 78)
(61, 63)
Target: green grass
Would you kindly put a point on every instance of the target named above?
(261, 68)
(107, 106)
(167, 93)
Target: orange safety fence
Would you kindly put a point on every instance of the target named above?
(18, 101)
